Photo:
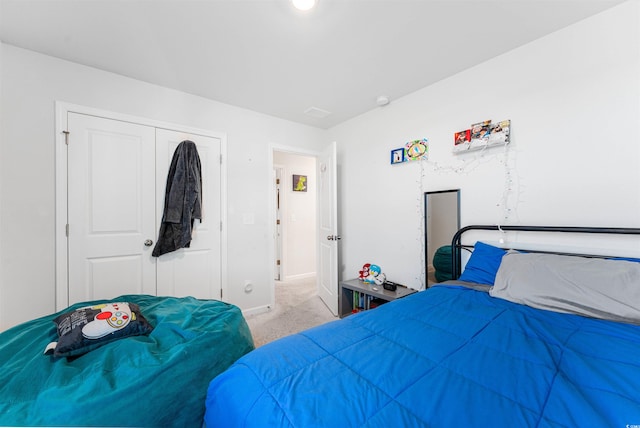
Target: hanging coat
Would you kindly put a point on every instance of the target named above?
(182, 200)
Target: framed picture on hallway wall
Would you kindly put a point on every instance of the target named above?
(299, 183)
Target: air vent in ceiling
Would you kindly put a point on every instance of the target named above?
(316, 112)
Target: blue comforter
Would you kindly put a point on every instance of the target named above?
(445, 357)
(158, 380)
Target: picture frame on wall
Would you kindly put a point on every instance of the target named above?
(462, 137)
(299, 183)
(416, 150)
(398, 155)
(482, 135)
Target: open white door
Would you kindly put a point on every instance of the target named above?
(327, 238)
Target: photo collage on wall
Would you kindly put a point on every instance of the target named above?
(481, 135)
(411, 151)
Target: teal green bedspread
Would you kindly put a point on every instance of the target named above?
(155, 380)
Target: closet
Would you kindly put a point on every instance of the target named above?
(116, 172)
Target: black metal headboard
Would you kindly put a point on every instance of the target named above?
(457, 246)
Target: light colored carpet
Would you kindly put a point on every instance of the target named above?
(297, 307)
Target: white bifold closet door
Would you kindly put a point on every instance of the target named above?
(194, 271)
(117, 173)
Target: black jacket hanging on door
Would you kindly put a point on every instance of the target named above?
(182, 200)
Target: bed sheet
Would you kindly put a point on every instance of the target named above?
(447, 356)
(155, 380)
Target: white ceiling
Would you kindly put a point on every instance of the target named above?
(265, 56)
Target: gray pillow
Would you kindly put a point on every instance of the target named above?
(597, 288)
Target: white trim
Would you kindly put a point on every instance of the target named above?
(62, 109)
(300, 276)
(293, 150)
(257, 310)
(277, 168)
(61, 255)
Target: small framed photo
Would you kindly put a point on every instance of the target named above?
(417, 149)
(398, 156)
(481, 130)
(299, 183)
(462, 137)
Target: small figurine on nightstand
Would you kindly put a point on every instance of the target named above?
(375, 275)
(364, 273)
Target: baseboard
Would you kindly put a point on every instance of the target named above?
(299, 276)
(257, 310)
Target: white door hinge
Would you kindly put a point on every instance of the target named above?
(66, 229)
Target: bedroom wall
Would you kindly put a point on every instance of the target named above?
(298, 216)
(573, 98)
(574, 101)
(31, 84)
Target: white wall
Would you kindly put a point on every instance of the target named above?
(574, 101)
(298, 216)
(573, 98)
(32, 83)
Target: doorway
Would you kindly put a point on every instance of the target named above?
(319, 257)
(295, 216)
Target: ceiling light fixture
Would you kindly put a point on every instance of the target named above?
(304, 4)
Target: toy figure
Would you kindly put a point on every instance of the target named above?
(364, 273)
(380, 279)
(375, 275)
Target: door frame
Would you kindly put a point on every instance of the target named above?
(62, 109)
(272, 209)
(278, 173)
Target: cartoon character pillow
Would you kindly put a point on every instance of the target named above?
(89, 327)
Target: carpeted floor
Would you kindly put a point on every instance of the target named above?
(297, 307)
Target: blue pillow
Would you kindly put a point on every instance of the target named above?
(483, 264)
(626, 259)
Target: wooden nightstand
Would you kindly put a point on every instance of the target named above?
(356, 295)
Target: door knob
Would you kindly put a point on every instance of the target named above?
(148, 243)
(334, 237)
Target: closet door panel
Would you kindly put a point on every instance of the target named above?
(111, 208)
(194, 271)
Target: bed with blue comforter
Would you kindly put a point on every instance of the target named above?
(502, 351)
(156, 377)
